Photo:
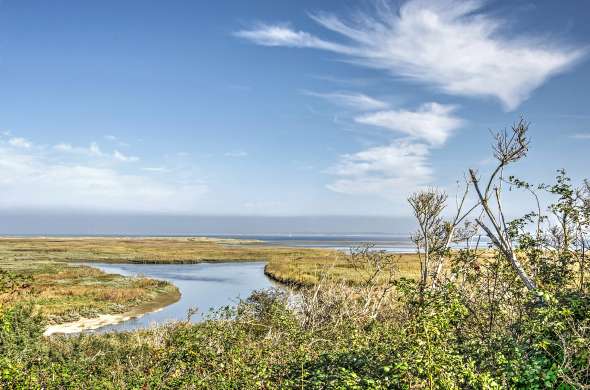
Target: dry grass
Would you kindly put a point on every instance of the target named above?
(65, 293)
(335, 267)
(148, 250)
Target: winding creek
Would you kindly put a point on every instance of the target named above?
(207, 286)
(204, 286)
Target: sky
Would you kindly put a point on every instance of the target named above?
(280, 108)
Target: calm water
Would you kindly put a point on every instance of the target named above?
(203, 285)
(398, 243)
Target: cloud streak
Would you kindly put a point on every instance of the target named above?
(448, 44)
(581, 136)
(123, 157)
(356, 101)
(94, 150)
(432, 122)
(284, 35)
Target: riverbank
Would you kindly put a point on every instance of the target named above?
(66, 293)
(206, 288)
(102, 320)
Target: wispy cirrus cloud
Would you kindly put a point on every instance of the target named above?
(451, 45)
(353, 100)
(284, 35)
(123, 157)
(431, 122)
(388, 170)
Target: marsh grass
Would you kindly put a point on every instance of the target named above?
(308, 271)
(290, 265)
(148, 250)
(63, 292)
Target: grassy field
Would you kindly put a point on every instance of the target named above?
(64, 292)
(303, 270)
(149, 250)
(291, 265)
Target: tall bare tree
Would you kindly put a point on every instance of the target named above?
(436, 234)
(510, 146)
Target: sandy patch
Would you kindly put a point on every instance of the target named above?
(110, 319)
(86, 324)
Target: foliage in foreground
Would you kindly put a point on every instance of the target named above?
(514, 316)
(431, 340)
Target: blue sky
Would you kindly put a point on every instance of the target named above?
(280, 107)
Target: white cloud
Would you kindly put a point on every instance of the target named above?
(116, 140)
(46, 178)
(94, 150)
(393, 170)
(403, 166)
(156, 169)
(448, 44)
(283, 35)
(239, 153)
(432, 122)
(19, 142)
(356, 101)
(124, 158)
(63, 147)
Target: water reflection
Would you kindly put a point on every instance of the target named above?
(204, 286)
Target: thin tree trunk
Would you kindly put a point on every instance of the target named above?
(528, 282)
(500, 241)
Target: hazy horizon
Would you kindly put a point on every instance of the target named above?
(79, 224)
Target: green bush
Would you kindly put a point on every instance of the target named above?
(21, 346)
